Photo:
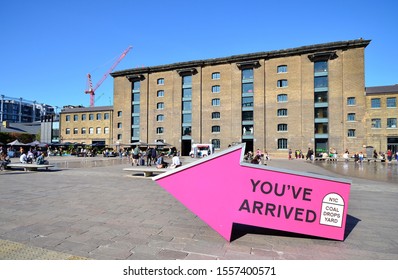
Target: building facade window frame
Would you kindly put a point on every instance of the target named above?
(391, 122)
(215, 75)
(215, 129)
(282, 144)
(282, 83)
(281, 98)
(376, 123)
(391, 102)
(281, 68)
(160, 81)
(375, 103)
(351, 101)
(351, 133)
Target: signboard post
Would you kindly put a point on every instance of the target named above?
(222, 189)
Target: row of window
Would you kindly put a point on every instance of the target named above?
(83, 117)
(391, 123)
(391, 102)
(83, 130)
(217, 75)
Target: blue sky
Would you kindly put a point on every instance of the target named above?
(48, 47)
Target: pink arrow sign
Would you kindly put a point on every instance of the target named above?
(222, 189)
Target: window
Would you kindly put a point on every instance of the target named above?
(186, 118)
(282, 69)
(119, 137)
(320, 66)
(215, 115)
(281, 112)
(91, 117)
(160, 106)
(75, 131)
(186, 131)
(282, 144)
(106, 116)
(136, 97)
(159, 130)
(321, 97)
(376, 123)
(247, 116)
(215, 128)
(135, 133)
(247, 74)
(216, 143)
(106, 130)
(351, 133)
(67, 118)
(187, 80)
(187, 105)
(282, 127)
(351, 101)
(160, 93)
(83, 117)
(391, 123)
(136, 86)
(281, 97)
(321, 113)
(136, 108)
(247, 101)
(215, 102)
(67, 131)
(215, 89)
(160, 118)
(247, 88)
(135, 120)
(75, 118)
(215, 76)
(119, 125)
(161, 81)
(98, 130)
(187, 93)
(281, 83)
(91, 130)
(375, 103)
(83, 131)
(119, 114)
(321, 82)
(98, 116)
(351, 117)
(391, 102)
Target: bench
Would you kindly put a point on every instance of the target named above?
(146, 171)
(29, 166)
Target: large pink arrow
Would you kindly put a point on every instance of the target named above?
(222, 190)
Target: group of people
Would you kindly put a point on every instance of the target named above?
(152, 156)
(31, 156)
(258, 158)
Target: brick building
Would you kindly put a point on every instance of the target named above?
(91, 125)
(381, 117)
(292, 98)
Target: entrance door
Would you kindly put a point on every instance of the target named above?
(186, 147)
(392, 144)
(249, 145)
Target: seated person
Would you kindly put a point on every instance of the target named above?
(40, 159)
(4, 160)
(160, 163)
(23, 158)
(175, 161)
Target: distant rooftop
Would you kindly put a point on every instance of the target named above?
(79, 109)
(382, 89)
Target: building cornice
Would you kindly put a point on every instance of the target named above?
(310, 49)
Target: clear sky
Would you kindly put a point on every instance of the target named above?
(48, 47)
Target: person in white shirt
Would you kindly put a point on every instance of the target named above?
(175, 161)
(23, 158)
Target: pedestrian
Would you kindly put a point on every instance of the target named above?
(389, 155)
(136, 155)
(149, 157)
(175, 161)
(290, 154)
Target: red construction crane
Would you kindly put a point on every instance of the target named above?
(91, 90)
